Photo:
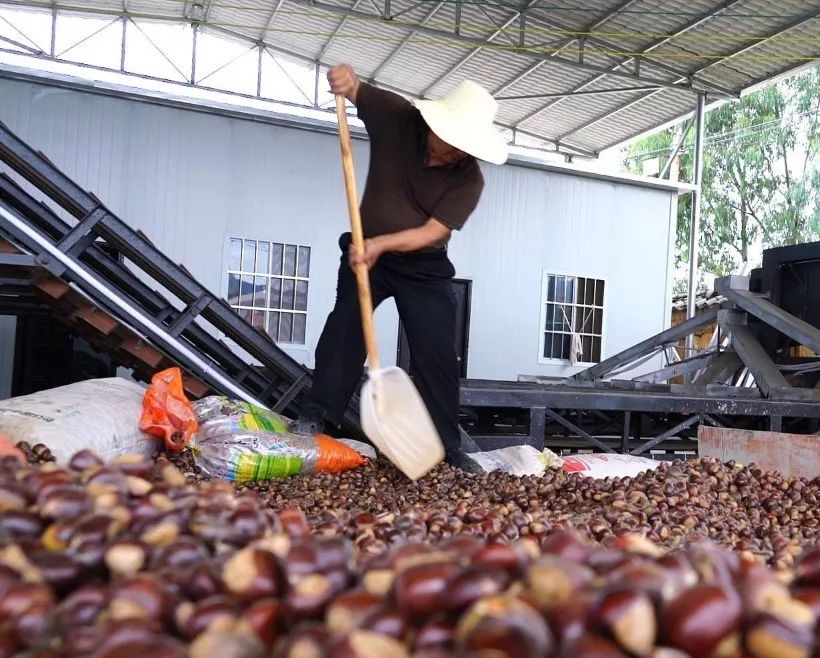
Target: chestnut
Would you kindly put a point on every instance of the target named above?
(252, 574)
(388, 621)
(200, 582)
(472, 584)
(193, 619)
(304, 641)
(125, 558)
(365, 644)
(552, 580)
(595, 646)
(140, 597)
(294, 523)
(505, 625)
(309, 596)
(421, 588)
(704, 621)
(21, 596)
(20, 524)
(263, 617)
(349, 610)
(84, 460)
(628, 617)
(230, 642)
(807, 571)
(775, 636)
(437, 633)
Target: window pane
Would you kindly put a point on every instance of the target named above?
(276, 259)
(547, 345)
(258, 319)
(276, 293)
(299, 323)
(262, 258)
(563, 317)
(559, 288)
(582, 282)
(301, 295)
(586, 341)
(570, 289)
(304, 262)
(245, 314)
(249, 256)
(273, 325)
(565, 346)
(599, 293)
(235, 254)
(233, 289)
(596, 350)
(550, 288)
(246, 293)
(597, 322)
(290, 260)
(549, 316)
(286, 327)
(578, 320)
(260, 296)
(287, 294)
(589, 297)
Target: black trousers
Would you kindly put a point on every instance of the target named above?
(420, 282)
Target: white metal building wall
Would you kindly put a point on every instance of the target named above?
(190, 180)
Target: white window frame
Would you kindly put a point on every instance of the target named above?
(545, 274)
(226, 271)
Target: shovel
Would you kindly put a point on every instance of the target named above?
(393, 415)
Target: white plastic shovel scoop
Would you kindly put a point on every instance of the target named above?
(393, 415)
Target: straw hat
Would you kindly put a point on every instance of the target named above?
(464, 119)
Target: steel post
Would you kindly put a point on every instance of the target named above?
(694, 229)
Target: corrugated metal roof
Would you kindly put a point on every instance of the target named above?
(652, 56)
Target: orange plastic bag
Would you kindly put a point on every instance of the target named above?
(166, 412)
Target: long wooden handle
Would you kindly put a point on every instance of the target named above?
(362, 275)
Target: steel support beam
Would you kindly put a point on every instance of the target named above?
(767, 377)
(593, 92)
(572, 427)
(386, 61)
(336, 32)
(722, 365)
(727, 4)
(668, 434)
(686, 366)
(480, 43)
(694, 228)
(728, 56)
(20, 45)
(687, 129)
(646, 347)
(270, 19)
(457, 66)
(798, 330)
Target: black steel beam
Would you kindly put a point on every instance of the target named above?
(572, 427)
(767, 377)
(510, 395)
(680, 368)
(795, 328)
(649, 445)
(648, 346)
(721, 366)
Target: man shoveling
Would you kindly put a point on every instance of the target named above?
(423, 183)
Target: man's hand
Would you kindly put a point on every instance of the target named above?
(372, 252)
(343, 80)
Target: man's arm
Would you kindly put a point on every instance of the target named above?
(431, 234)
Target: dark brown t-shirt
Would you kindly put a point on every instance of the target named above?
(401, 192)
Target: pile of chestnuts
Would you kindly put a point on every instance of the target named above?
(136, 558)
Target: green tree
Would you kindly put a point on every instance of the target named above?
(761, 179)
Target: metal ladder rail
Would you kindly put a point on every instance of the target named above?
(260, 381)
